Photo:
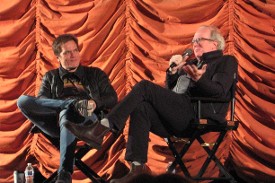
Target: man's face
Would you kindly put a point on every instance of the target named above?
(69, 57)
(202, 43)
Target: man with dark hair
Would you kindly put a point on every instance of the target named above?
(72, 93)
(163, 111)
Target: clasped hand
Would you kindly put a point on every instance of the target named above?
(88, 109)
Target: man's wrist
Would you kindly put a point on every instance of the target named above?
(171, 71)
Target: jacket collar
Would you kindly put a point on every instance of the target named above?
(211, 56)
(79, 72)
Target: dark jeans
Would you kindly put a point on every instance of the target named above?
(152, 108)
(49, 116)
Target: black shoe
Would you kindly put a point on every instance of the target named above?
(85, 107)
(64, 177)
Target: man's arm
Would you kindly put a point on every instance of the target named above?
(220, 83)
(171, 79)
(45, 88)
(172, 73)
(107, 97)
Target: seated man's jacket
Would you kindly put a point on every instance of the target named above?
(95, 82)
(215, 83)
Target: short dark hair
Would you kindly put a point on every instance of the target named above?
(62, 39)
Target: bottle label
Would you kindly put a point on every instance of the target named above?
(29, 173)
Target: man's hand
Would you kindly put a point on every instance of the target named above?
(85, 107)
(91, 105)
(194, 72)
(179, 61)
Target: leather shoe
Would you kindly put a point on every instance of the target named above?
(92, 134)
(135, 170)
(64, 177)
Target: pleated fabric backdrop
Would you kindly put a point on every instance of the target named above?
(133, 40)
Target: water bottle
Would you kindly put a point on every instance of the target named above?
(29, 173)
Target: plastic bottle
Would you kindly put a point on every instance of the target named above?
(29, 173)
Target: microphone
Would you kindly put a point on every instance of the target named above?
(186, 53)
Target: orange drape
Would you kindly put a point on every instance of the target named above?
(133, 40)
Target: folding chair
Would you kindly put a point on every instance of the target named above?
(81, 150)
(199, 128)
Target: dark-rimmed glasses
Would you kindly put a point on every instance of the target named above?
(198, 40)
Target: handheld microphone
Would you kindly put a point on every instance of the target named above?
(186, 53)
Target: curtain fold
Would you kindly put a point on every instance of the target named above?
(133, 40)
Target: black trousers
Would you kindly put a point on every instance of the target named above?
(152, 108)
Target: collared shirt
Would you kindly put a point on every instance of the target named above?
(79, 72)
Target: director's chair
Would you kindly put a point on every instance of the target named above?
(199, 128)
(81, 150)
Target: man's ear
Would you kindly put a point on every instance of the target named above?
(57, 58)
(215, 43)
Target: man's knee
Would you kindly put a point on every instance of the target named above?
(23, 101)
(143, 85)
(142, 107)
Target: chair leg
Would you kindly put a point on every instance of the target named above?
(211, 153)
(81, 166)
(178, 156)
(84, 168)
(211, 156)
(51, 178)
(88, 172)
(93, 176)
(177, 160)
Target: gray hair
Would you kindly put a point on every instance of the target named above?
(216, 35)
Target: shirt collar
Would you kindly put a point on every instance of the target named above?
(79, 72)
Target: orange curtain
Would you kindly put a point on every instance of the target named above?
(132, 40)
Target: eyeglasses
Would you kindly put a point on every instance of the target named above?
(198, 40)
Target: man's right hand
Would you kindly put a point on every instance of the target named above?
(85, 107)
(179, 61)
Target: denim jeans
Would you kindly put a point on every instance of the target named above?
(151, 108)
(49, 116)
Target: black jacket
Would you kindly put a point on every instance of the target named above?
(94, 80)
(214, 83)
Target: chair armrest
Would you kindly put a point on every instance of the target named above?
(204, 125)
(200, 100)
(208, 99)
